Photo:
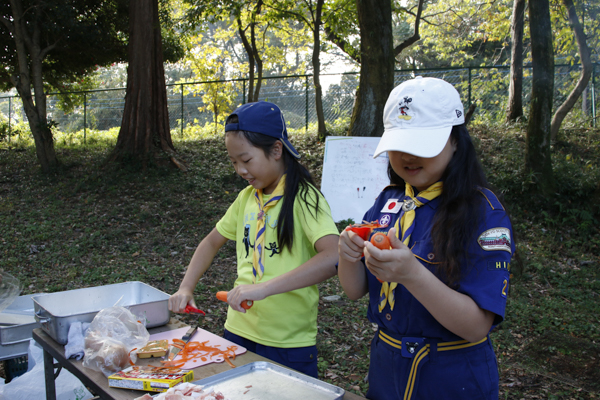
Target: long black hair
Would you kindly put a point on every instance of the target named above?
(459, 211)
(298, 182)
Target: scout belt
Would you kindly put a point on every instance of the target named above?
(419, 349)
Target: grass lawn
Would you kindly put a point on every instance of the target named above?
(92, 224)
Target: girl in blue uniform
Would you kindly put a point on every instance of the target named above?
(445, 279)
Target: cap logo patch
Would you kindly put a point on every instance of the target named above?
(495, 239)
(403, 108)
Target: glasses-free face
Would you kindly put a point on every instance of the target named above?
(251, 163)
(422, 172)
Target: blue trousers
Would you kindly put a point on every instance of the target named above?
(427, 369)
(303, 359)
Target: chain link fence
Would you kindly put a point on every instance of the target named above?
(201, 103)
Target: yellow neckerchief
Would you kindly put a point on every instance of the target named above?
(258, 266)
(407, 224)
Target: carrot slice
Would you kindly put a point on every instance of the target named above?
(229, 362)
(129, 356)
(194, 351)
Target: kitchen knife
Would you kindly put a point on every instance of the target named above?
(173, 351)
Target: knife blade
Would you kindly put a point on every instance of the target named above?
(173, 351)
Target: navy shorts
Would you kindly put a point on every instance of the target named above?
(303, 359)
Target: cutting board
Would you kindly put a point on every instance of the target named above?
(200, 336)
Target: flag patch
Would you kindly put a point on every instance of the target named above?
(392, 206)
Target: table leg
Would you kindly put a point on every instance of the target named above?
(49, 375)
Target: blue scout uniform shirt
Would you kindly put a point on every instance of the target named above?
(485, 273)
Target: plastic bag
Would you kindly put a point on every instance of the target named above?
(10, 288)
(32, 384)
(110, 338)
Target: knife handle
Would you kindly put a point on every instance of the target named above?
(188, 335)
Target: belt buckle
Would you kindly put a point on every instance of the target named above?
(411, 345)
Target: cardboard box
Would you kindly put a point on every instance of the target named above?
(137, 378)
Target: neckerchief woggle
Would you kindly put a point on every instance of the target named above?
(258, 267)
(406, 225)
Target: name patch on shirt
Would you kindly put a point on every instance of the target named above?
(498, 266)
(392, 206)
(495, 239)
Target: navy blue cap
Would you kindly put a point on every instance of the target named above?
(264, 118)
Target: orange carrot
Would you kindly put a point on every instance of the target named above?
(246, 304)
(381, 241)
(129, 356)
(194, 351)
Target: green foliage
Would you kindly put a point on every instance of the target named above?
(88, 24)
(4, 128)
(210, 60)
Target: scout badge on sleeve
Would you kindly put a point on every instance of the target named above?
(495, 239)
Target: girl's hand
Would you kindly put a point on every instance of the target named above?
(240, 293)
(350, 246)
(180, 299)
(394, 265)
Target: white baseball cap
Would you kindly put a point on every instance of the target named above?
(418, 117)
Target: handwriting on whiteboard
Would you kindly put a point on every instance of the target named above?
(352, 178)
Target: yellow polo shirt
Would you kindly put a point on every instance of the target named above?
(289, 319)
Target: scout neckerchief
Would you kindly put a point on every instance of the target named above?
(407, 224)
(258, 266)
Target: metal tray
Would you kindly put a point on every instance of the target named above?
(263, 380)
(16, 323)
(17, 320)
(57, 311)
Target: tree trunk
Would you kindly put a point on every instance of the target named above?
(515, 90)
(537, 154)
(31, 55)
(257, 59)
(316, 62)
(584, 78)
(584, 102)
(145, 133)
(250, 54)
(376, 68)
(254, 59)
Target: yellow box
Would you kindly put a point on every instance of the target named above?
(138, 378)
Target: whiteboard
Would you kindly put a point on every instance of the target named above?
(352, 179)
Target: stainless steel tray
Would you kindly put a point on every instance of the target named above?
(17, 320)
(57, 311)
(264, 381)
(16, 323)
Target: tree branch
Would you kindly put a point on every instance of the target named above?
(415, 37)
(342, 44)
(586, 62)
